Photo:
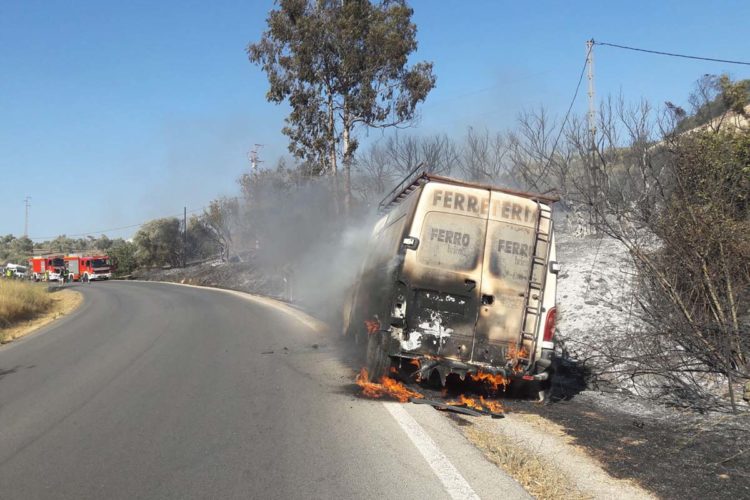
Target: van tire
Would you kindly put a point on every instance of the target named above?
(544, 389)
(535, 390)
(378, 361)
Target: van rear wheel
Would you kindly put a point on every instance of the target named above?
(378, 361)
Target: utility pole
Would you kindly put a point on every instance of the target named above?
(184, 236)
(26, 220)
(253, 157)
(592, 107)
(594, 178)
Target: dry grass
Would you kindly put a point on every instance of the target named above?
(22, 300)
(538, 477)
(25, 307)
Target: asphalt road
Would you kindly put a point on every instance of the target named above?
(162, 391)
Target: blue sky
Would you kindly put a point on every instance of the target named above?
(114, 113)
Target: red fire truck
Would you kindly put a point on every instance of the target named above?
(46, 267)
(89, 267)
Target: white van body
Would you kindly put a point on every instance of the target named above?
(461, 277)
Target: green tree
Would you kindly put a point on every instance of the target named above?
(15, 250)
(123, 254)
(102, 243)
(712, 98)
(159, 243)
(341, 64)
(63, 244)
(220, 219)
(201, 239)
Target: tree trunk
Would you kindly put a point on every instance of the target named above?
(332, 154)
(347, 160)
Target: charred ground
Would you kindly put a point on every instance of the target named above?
(672, 453)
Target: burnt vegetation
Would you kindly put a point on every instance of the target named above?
(677, 200)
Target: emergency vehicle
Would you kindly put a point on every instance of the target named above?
(47, 267)
(17, 271)
(89, 267)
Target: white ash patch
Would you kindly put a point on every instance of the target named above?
(435, 326)
(413, 342)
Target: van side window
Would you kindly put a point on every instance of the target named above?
(451, 241)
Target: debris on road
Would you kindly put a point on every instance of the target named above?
(465, 409)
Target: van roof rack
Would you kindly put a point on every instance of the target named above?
(409, 183)
(419, 176)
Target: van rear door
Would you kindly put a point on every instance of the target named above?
(445, 272)
(511, 233)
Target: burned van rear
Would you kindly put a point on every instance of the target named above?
(462, 278)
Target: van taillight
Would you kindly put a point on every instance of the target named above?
(549, 325)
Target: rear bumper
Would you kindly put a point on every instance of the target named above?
(538, 371)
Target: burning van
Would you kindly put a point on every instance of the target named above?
(459, 278)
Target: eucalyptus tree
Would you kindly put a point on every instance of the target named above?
(340, 65)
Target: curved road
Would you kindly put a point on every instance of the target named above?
(153, 390)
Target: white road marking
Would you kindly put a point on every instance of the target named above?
(454, 483)
(313, 324)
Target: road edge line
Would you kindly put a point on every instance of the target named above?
(309, 321)
(455, 484)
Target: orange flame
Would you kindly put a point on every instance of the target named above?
(373, 325)
(464, 401)
(387, 387)
(514, 352)
(493, 406)
(495, 380)
(481, 405)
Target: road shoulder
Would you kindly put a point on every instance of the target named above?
(64, 302)
(528, 446)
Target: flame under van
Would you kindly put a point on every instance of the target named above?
(461, 277)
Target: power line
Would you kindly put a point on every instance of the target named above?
(567, 115)
(671, 54)
(131, 226)
(469, 93)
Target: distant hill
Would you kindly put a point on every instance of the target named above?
(712, 110)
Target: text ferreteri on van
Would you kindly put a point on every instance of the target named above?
(500, 208)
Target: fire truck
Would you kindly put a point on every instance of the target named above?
(47, 267)
(89, 267)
